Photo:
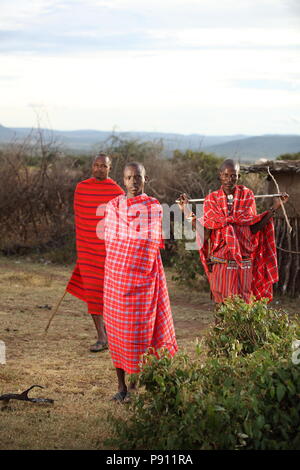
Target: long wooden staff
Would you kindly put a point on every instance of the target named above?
(53, 314)
(256, 196)
(282, 206)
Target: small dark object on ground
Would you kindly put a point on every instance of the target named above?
(24, 396)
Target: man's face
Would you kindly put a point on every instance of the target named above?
(101, 168)
(228, 178)
(134, 180)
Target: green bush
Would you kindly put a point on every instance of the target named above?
(289, 156)
(235, 401)
(188, 267)
(243, 328)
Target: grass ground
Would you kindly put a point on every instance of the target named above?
(80, 382)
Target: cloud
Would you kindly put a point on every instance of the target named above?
(74, 42)
(262, 84)
(180, 64)
(9, 78)
(48, 43)
(55, 26)
(293, 6)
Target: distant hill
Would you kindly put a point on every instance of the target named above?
(87, 140)
(241, 147)
(254, 148)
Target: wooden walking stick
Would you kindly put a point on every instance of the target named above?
(282, 206)
(53, 314)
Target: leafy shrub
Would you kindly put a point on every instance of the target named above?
(289, 156)
(243, 328)
(188, 267)
(245, 404)
(235, 401)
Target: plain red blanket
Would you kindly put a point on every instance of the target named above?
(226, 230)
(137, 311)
(90, 199)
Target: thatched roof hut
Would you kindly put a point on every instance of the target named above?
(287, 175)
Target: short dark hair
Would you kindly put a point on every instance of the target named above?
(102, 155)
(229, 163)
(136, 165)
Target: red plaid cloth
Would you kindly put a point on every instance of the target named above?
(90, 199)
(231, 237)
(137, 311)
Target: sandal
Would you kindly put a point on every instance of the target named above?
(99, 346)
(119, 397)
(128, 397)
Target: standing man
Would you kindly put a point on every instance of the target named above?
(86, 283)
(237, 245)
(137, 311)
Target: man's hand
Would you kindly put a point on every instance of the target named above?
(183, 201)
(276, 202)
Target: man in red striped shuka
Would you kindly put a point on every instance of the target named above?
(237, 245)
(137, 311)
(86, 283)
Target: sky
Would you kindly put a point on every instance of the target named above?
(209, 67)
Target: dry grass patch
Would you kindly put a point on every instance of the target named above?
(80, 382)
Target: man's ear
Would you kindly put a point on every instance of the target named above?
(146, 179)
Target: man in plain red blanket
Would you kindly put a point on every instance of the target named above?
(137, 311)
(86, 283)
(237, 246)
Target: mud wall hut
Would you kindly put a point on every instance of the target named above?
(287, 175)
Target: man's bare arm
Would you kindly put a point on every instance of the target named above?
(261, 224)
(190, 216)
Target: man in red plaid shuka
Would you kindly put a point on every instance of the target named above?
(237, 248)
(137, 311)
(86, 283)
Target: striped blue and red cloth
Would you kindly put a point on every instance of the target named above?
(90, 200)
(137, 311)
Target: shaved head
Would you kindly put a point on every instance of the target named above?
(101, 166)
(229, 175)
(134, 178)
(136, 165)
(229, 163)
(102, 155)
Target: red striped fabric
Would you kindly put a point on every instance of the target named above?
(231, 238)
(227, 280)
(90, 199)
(137, 311)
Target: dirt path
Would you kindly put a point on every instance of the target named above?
(80, 382)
